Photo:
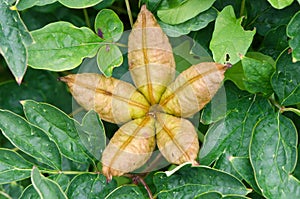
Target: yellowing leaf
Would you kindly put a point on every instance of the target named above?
(193, 89)
(114, 100)
(130, 147)
(150, 57)
(176, 138)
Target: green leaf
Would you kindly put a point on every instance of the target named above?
(184, 11)
(14, 190)
(86, 186)
(293, 30)
(273, 154)
(274, 42)
(236, 75)
(229, 38)
(126, 191)
(61, 46)
(61, 179)
(29, 138)
(285, 81)
(186, 182)
(108, 25)
(24, 4)
(243, 167)
(230, 136)
(45, 187)
(279, 4)
(79, 3)
(29, 193)
(14, 40)
(257, 73)
(92, 134)
(194, 24)
(109, 56)
(13, 167)
(59, 127)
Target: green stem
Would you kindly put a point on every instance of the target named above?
(86, 18)
(242, 10)
(129, 12)
(294, 110)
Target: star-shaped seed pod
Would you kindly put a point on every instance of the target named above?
(154, 111)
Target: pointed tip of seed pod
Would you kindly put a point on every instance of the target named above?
(63, 79)
(144, 7)
(228, 65)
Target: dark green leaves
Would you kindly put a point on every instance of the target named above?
(87, 186)
(229, 39)
(13, 167)
(285, 81)
(126, 191)
(258, 71)
(30, 139)
(92, 134)
(273, 156)
(14, 40)
(183, 11)
(187, 181)
(61, 46)
(293, 30)
(45, 187)
(59, 127)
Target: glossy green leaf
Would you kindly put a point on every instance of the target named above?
(229, 38)
(92, 134)
(194, 24)
(285, 81)
(279, 4)
(14, 40)
(230, 136)
(186, 181)
(79, 3)
(29, 138)
(13, 167)
(243, 167)
(108, 25)
(109, 56)
(184, 11)
(257, 74)
(86, 186)
(29, 193)
(217, 195)
(59, 127)
(273, 154)
(274, 42)
(14, 190)
(45, 187)
(126, 191)
(293, 30)
(61, 46)
(61, 179)
(24, 4)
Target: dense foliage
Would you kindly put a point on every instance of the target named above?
(50, 147)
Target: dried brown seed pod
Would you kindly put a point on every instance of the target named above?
(130, 147)
(150, 57)
(114, 100)
(193, 89)
(176, 139)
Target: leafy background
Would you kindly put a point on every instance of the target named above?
(248, 150)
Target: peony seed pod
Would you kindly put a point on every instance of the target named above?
(193, 89)
(114, 100)
(150, 57)
(176, 139)
(130, 147)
